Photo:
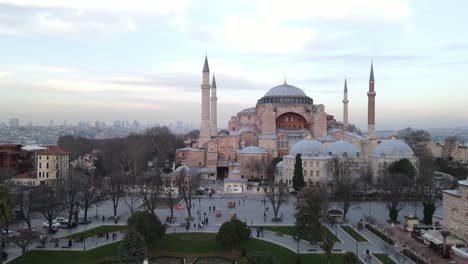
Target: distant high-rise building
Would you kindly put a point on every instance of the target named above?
(14, 122)
(117, 123)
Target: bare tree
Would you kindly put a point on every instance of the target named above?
(416, 139)
(277, 194)
(131, 194)
(24, 204)
(395, 190)
(24, 239)
(311, 207)
(187, 184)
(344, 185)
(89, 192)
(71, 187)
(150, 190)
(450, 147)
(49, 202)
(115, 188)
(169, 195)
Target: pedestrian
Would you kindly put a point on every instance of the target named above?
(69, 243)
(214, 208)
(258, 233)
(207, 220)
(367, 252)
(56, 243)
(187, 227)
(261, 231)
(209, 208)
(103, 218)
(107, 235)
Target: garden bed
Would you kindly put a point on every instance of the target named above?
(355, 235)
(381, 235)
(384, 258)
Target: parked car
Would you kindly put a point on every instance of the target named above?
(10, 234)
(61, 220)
(55, 225)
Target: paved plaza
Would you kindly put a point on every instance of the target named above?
(249, 209)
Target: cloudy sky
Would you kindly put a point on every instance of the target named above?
(142, 60)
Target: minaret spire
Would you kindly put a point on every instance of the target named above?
(205, 131)
(371, 105)
(214, 109)
(371, 77)
(345, 105)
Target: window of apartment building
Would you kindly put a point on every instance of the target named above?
(40, 165)
(318, 173)
(47, 157)
(56, 165)
(57, 175)
(47, 175)
(47, 165)
(40, 156)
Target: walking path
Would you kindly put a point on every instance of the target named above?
(250, 212)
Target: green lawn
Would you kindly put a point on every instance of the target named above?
(353, 233)
(181, 244)
(384, 258)
(292, 231)
(97, 230)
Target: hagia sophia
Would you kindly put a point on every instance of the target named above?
(283, 123)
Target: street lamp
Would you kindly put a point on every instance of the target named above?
(199, 209)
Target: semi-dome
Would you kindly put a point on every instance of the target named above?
(252, 150)
(279, 164)
(285, 90)
(285, 94)
(308, 148)
(183, 167)
(343, 149)
(393, 149)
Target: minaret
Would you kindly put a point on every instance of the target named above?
(214, 115)
(345, 105)
(205, 133)
(371, 105)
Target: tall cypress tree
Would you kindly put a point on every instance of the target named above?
(298, 178)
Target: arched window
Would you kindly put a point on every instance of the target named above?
(282, 142)
(345, 155)
(358, 154)
(220, 156)
(383, 155)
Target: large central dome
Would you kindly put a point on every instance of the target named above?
(285, 90)
(285, 94)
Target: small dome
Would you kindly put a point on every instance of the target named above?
(183, 167)
(285, 90)
(249, 110)
(279, 164)
(343, 149)
(308, 148)
(252, 150)
(393, 149)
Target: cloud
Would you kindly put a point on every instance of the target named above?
(4, 75)
(69, 18)
(383, 10)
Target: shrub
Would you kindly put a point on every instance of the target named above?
(133, 248)
(232, 233)
(147, 224)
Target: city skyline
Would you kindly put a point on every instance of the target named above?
(65, 60)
